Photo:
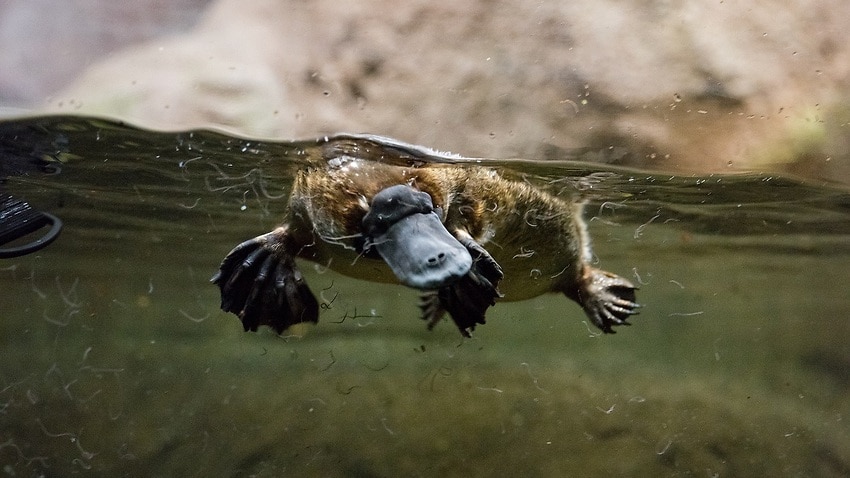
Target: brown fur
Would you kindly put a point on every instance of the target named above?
(535, 237)
(523, 242)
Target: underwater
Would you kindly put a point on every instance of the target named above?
(116, 358)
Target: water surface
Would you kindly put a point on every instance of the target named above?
(115, 359)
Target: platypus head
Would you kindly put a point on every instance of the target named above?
(405, 228)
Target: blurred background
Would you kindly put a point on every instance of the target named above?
(683, 86)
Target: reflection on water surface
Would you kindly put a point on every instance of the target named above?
(116, 358)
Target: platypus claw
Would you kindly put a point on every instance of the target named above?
(261, 284)
(467, 299)
(607, 299)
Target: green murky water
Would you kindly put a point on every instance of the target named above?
(115, 360)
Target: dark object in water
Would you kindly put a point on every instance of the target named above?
(385, 215)
(18, 219)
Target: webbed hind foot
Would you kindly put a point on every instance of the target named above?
(607, 299)
(261, 284)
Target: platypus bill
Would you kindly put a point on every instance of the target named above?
(372, 209)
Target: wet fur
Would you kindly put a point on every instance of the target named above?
(539, 240)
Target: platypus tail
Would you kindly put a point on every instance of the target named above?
(261, 284)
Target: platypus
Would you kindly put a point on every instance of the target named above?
(462, 234)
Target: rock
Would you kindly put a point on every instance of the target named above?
(685, 85)
(47, 43)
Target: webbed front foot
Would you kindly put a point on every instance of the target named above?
(607, 299)
(262, 285)
(467, 299)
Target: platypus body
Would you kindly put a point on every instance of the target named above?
(463, 235)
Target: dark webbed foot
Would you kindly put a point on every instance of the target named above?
(261, 283)
(607, 299)
(467, 299)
